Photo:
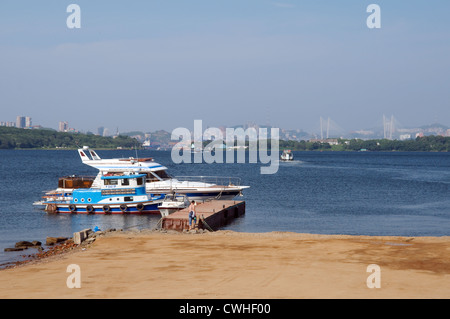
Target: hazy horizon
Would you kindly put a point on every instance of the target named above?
(148, 65)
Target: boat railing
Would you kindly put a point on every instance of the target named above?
(217, 180)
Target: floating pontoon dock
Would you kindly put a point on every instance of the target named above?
(211, 215)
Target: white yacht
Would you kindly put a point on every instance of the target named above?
(157, 180)
(287, 156)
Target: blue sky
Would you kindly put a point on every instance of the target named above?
(148, 65)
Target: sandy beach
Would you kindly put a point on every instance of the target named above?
(225, 264)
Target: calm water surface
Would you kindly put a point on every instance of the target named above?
(355, 193)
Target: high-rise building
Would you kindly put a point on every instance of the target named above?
(28, 122)
(100, 130)
(20, 121)
(63, 126)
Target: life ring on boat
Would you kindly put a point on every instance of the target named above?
(90, 208)
(72, 208)
(140, 207)
(123, 208)
(106, 208)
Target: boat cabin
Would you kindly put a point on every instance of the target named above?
(75, 181)
(114, 188)
(123, 180)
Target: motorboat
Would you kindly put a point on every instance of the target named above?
(117, 194)
(172, 203)
(157, 181)
(287, 156)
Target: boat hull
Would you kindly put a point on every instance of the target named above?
(114, 209)
(191, 193)
(201, 195)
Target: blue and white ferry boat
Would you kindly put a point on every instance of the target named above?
(117, 194)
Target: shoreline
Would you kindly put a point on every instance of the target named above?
(233, 265)
(281, 149)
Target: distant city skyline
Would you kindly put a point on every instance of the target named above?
(327, 128)
(155, 65)
(329, 132)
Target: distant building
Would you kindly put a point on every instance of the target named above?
(72, 130)
(404, 137)
(100, 130)
(146, 144)
(63, 126)
(331, 141)
(28, 122)
(20, 122)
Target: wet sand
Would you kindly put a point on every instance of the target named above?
(231, 265)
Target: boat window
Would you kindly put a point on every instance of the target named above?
(162, 174)
(128, 199)
(125, 182)
(140, 181)
(151, 178)
(111, 182)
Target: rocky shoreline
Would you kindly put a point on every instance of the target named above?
(53, 246)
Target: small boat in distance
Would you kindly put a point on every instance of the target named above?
(173, 203)
(287, 156)
(117, 194)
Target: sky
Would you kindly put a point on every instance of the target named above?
(150, 65)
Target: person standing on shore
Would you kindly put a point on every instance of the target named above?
(192, 215)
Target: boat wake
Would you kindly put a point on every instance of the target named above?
(293, 162)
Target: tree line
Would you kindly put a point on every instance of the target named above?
(17, 138)
(430, 143)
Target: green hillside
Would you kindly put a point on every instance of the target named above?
(430, 143)
(17, 138)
